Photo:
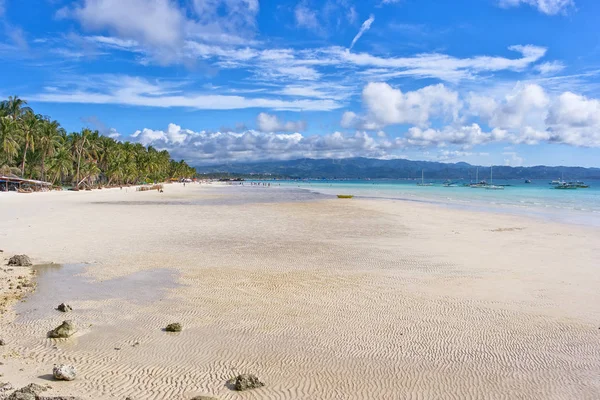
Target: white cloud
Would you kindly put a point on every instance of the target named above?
(152, 22)
(513, 159)
(550, 7)
(306, 18)
(352, 15)
(386, 105)
(365, 27)
(270, 123)
(174, 135)
(463, 136)
(441, 66)
(349, 119)
(526, 105)
(126, 90)
(549, 68)
(575, 120)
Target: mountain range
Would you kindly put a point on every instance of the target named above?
(370, 168)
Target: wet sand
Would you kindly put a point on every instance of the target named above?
(321, 298)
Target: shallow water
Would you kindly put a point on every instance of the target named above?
(68, 284)
(538, 199)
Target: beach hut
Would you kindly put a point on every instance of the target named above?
(12, 182)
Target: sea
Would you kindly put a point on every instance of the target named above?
(536, 199)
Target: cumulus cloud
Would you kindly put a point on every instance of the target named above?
(526, 105)
(386, 105)
(550, 7)
(574, 120)
(270, 123)
(214, 147)
(365, 27)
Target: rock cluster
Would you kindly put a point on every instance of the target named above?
(64, 372)
(246, 382)
(175, 327)
(32, 392)
(66, 329)
(20, 260)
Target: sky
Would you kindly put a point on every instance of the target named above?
(489, 82)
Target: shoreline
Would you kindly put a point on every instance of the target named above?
(310, 296)
(573, 216)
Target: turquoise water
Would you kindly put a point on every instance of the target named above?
(538, 199)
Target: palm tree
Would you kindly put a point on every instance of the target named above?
(31, 124)
(48, 142)
(80, 149)
(13, 108)
(9, 143)
(61, 164)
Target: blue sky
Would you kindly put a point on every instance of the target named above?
(512, 82)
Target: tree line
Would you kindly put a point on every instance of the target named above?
(37, 147)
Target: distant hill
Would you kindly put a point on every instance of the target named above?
(370, 168)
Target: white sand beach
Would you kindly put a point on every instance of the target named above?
(321, 299)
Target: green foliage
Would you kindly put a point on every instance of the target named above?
(39, 148)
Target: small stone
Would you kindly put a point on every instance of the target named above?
(64, 307)
(246, 382)
(203, 398)
(20, 260)
(2, 342)
(66, 329)
(64, 372)
(174, 327)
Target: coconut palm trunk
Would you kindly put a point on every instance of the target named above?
(24, 159)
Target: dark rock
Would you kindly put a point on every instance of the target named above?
(20, 260)
(64, 307)
(2, 342)
(246, 382)
(64, 372)
(66, 329)
(29, 392)
(175, 327)
(203, 398)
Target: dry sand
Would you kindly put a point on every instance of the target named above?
(327, 299)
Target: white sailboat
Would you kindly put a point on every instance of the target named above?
(491, 186)
(423, 180)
